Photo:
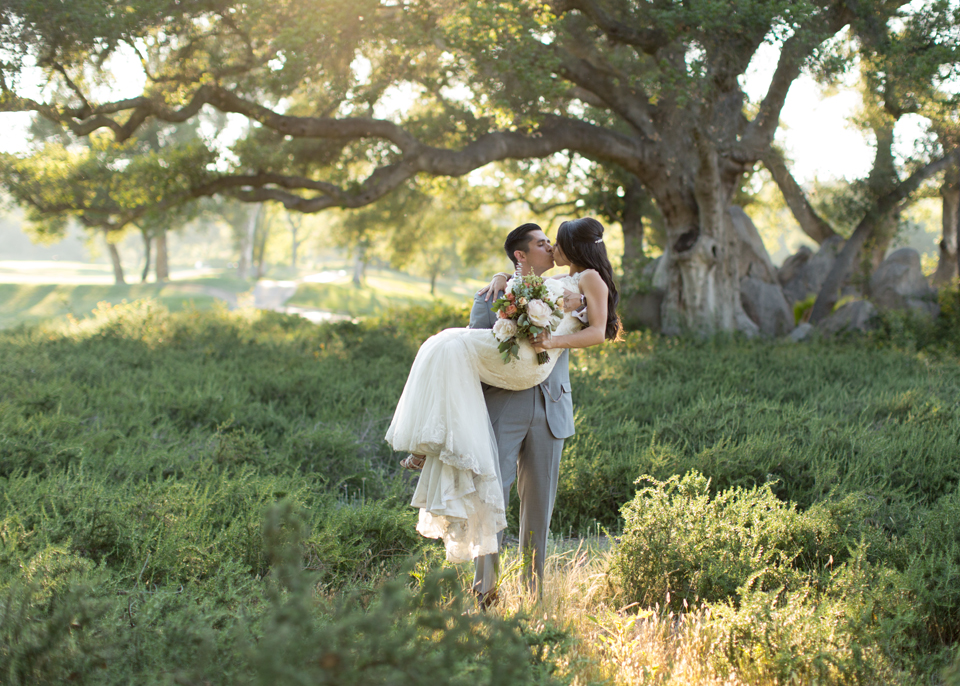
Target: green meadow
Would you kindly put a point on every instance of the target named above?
(197, 496)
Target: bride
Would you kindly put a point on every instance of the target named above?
(442, 419)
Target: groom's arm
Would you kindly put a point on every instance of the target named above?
(481, 316)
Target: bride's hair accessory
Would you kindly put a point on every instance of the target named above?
(599, 240)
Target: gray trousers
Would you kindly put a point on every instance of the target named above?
(529, 455)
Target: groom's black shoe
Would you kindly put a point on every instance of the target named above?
(487, 600)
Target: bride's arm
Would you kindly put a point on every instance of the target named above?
(497, 284)
(593, 334)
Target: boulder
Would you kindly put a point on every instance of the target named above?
(803, 274)
(899, 284)
(746, 326)
(765, 305)
(754, 260)
(802, 332)
(856, 315)
(791, 266)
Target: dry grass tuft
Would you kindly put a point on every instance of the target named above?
(614, 645)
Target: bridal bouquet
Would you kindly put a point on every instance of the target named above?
(529, 306)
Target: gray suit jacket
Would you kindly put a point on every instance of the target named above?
(556, 389)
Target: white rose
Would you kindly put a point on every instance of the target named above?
(505, 329)
(539, 313)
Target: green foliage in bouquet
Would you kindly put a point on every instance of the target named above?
(526, 309)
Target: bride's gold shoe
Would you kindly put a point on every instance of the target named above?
(413, 462)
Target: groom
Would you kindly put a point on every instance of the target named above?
(530, 427)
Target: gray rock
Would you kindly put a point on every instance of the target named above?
(791, 266)
(765, 305)
(856, 315)
(754, 260)
(899, 284)
(746, 326)
(802, 332)
(929, 308)
(803, 274)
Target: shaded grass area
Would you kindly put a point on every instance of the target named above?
(206, 496)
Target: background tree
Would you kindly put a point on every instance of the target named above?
(433, 227)
(903, 65)
(106, 187)
(653, 88)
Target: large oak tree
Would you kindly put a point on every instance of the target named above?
(348, 101)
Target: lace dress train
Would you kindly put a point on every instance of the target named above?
(442, 415)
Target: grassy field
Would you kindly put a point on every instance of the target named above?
(205, 497)
(34, 292)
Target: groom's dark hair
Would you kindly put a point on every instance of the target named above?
(519, 239)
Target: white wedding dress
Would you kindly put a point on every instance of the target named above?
(442, 415)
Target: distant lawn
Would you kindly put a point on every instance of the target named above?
(26, 299)
(382, 289)
(31, 303)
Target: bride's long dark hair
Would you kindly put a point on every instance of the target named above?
(581, 241)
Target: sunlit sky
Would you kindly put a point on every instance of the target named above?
(815, 132)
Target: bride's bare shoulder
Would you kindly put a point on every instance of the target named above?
(591, 278)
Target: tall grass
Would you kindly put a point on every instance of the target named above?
(206, 496)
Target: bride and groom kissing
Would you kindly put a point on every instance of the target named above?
(475, 420)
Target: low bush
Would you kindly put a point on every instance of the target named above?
(681, 546)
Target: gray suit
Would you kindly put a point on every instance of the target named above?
(530, 427)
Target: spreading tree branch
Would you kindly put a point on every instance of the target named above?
(811, 222)
(647, 40)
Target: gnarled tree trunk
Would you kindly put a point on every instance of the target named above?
(703, 288)
(295, 222)
(246, 244)
(162, 268)
(636, 203)
(947, 266)
(115, 260)
(360, 262)
(260, 237)
(146, 256)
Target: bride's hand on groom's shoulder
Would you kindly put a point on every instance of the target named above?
(497, 284)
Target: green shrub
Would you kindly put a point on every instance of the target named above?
(911, 330)
(56, 629)
(844, 631)
(682, 546)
